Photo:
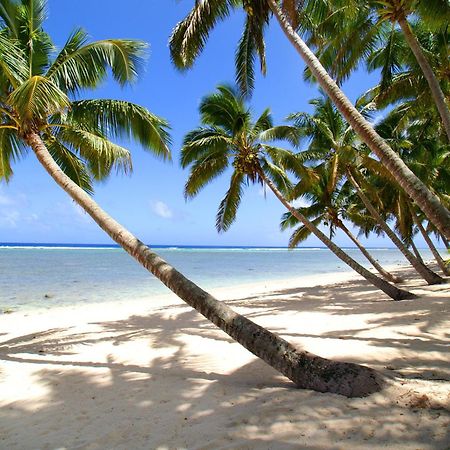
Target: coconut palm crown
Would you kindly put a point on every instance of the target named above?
(229, 137)
(40, 93)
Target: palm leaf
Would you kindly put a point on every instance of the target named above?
(204, 170)
(80, 65)
(101, 154)
(190, 35)
(121, 119)
(37, 98)
(201, 141)
(11, 149)
(70, 164)
(229, 205)
(302, 233)
(245, 60)
(12, 62)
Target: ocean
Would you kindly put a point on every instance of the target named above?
(36, 276)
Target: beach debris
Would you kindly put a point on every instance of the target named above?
(8, 311)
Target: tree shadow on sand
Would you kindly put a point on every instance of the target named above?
(186, 400)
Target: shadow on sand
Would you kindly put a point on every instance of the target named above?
(182, 400)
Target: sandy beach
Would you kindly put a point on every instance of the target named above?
(157, 375)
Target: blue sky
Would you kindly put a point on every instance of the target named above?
(150, 202)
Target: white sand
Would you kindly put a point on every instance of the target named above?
(157, 375)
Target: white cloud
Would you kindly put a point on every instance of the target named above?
(9, 219)
(162, 210)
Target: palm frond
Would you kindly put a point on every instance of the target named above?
(37, 98)
(302, 233)
(201, 141)
(190, 35)
(244, 61)
(121, 119)
(229, 205)
(101, 154)
(224, 109)
(203, 171)
(81, 65)
(12, 62)
(282, 133)
(277, 175)
(11, 150)
(263, 122)
(70, 164)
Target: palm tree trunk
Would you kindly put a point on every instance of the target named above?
(392, 291)
(305, 369)
(368, 256)
(428, 275)
(437, 256)
(427, 201)
(416, 251)
(445, 242)
(428, 73)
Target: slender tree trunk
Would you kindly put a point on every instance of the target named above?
(436, 91)
(416, 251)
(445, 242)
(305, 369)
(437, 256)
(392, 291)
(428, 275)
(368, 256)
(427, 201)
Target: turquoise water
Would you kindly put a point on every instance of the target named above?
(32, 277)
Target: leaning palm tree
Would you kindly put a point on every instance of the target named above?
(332, 141)
(189, 38)
(230, 136)
(379, 32)
(71, 139)
(328, 198)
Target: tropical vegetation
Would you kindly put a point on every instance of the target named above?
(72, 141)
(230, 137)
(391, 177)
(189, 38)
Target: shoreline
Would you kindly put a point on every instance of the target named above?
(221, 293)
(158, 375)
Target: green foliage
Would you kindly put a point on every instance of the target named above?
(36, 92)
(231, 139)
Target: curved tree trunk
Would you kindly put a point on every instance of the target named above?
(445, 241)
(425, 199)
(392, 291)
(427, 274)
(437, 256)
(305, 369)
(436, 91)
(368, 256)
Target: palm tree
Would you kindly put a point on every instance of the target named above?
(71, 139)
(416, 142)
(230, 137)
(189, 38)
(427, 274)
(345, 33)
(328, 204)
(333, 141)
